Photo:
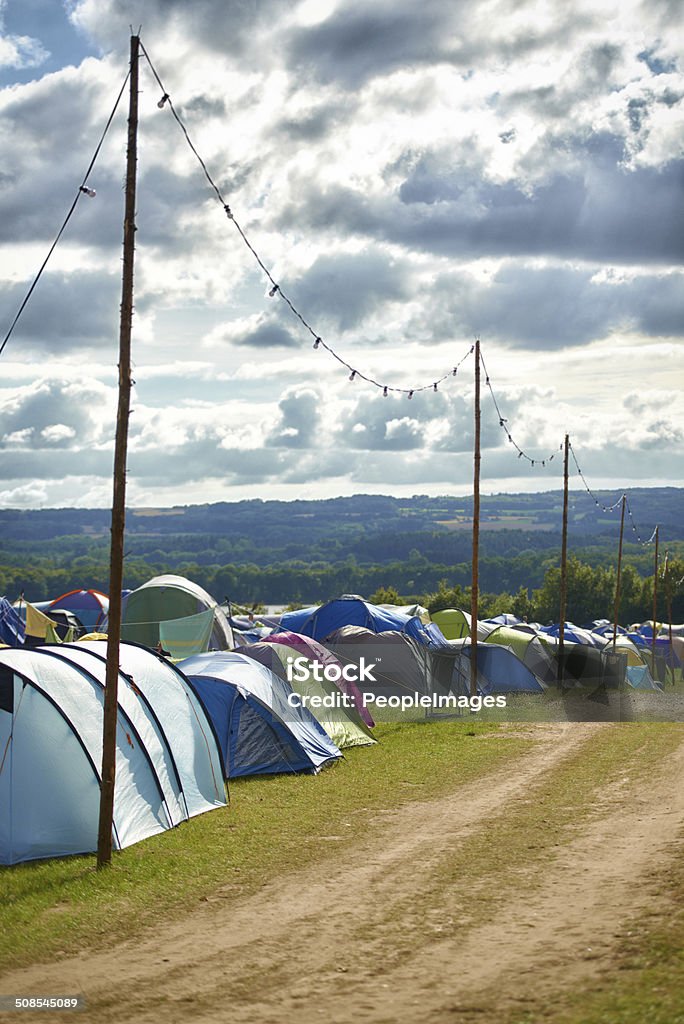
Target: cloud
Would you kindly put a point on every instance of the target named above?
(56, 414)
(299, 420)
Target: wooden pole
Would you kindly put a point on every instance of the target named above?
(564, 564)
(104, 838)
(474, 589)
(655, 606)
(619, 572)
(668, 609)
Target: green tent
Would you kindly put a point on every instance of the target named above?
(152, 613)
(454, 623)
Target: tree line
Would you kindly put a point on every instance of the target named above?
(527, 585)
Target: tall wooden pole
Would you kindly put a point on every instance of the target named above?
(655, 606)
(564, 565)
(104, 838)
(474, 588)
(619, 573)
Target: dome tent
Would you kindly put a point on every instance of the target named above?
(51, 711)
(259, 730)
(175, 611)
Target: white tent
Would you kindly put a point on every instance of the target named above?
(168, 766)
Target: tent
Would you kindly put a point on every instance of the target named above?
(455, 624)
(11, 625)
(317, 652)
(348, 610)
(261, 728)
(334, 710)
(178, 613)
(638, 672)
(575, 634)
(529, 649)
(168, 764)
(402, 668)
(500, 670)
(90, 606)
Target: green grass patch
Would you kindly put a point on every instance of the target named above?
(273, 824)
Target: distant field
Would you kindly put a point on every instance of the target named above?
(497, 523)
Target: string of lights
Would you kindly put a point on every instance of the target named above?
(503, 423)
(616, 504)
(276, 289)
(354, 373)
(83, 189)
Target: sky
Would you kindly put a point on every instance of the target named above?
(414, 177)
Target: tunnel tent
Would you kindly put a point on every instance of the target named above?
(51, 711)
(177, 710)
(169, 600)
(261, 727)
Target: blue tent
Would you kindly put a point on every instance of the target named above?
(11, 625)
(499, 670)
(259, 730)
(350, 610)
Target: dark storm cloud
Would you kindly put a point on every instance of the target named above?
(66, 312)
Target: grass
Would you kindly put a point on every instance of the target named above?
(63, 905)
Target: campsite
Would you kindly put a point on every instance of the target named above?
(341, 527)
(243, 815)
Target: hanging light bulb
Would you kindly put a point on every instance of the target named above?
(90, 192)
(316, 342)
(352, 375)
(273, 290)
(384, 392)
(163, 100)
(434, 386)
(410, 394)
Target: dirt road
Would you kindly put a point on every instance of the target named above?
(396, 934)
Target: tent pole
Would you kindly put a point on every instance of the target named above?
(619, 573)
(564, 565)
(104, 837)
(655, 606)
(474, 588)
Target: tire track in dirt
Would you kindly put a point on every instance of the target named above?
(280, 955)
